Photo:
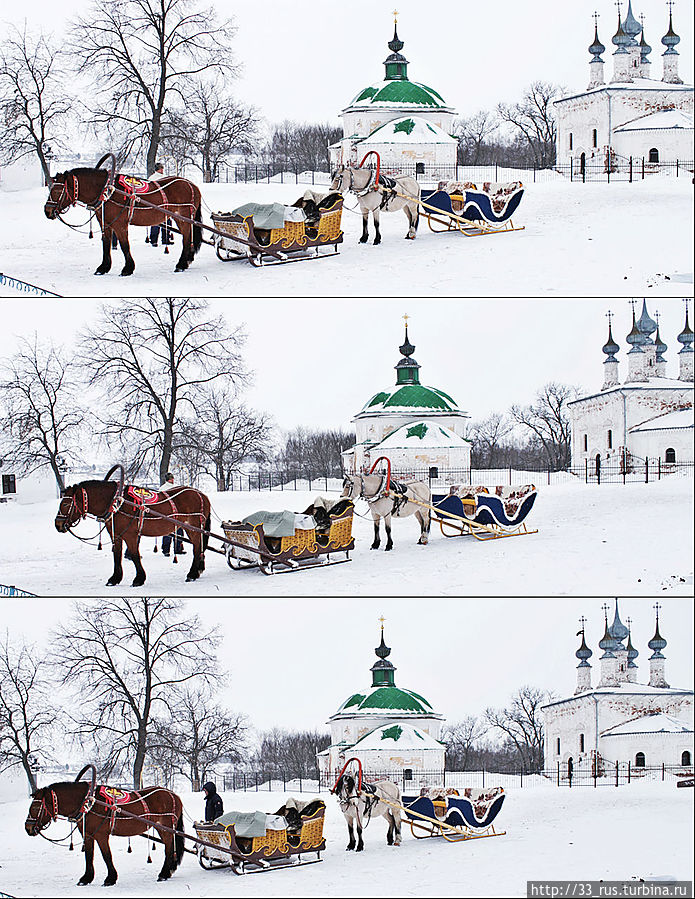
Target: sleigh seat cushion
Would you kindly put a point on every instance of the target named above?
(270, 215)
(281, 524)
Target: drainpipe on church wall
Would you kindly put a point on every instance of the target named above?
(593, 696)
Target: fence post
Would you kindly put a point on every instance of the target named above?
(616, 773)
(646, 471)
(300, 783)
(483, 777)
(521, 778)
(586, 471)
(256, 777)
(663, 771)
(558, 774)
(628, 772)
(659, 476)
(510, 475)
(631, 170)
(643, 168)
(548, 477)
(676, 168)
(495, 171)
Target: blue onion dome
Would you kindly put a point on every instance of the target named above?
(646, 323)
(607, 644)
(657, 643)
(583, 653)
(670, 39)
(661, 347)
(686, 335)
(597, 48)
(620, 39)
(610, 347)
(645, 49)
(635, 338)
(631, 653)
(631, 26)
(618, 629)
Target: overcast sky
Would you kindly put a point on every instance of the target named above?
(461, 655)
(306, 60)
(317, 362)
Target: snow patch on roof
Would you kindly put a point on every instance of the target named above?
(421, 434)
(409, 130)
(396, 736)
(659, 121)
(660, 723)
(681, 418)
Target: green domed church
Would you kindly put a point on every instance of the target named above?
(408, 123)
(387, 727)
(413, 425)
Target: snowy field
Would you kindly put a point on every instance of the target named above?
(581, 240)
(613, 539)
(553, 834)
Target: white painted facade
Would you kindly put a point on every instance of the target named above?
(647, 415)
(619, 719)
(626, 117)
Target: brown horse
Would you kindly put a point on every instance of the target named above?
(97, 812)
(129, 513)
(115, 208)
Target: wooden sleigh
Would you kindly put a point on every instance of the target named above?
(294, 242)
(222, 848)
(305, 548)
(486, 513)
(454, 817)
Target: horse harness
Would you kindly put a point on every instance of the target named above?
(396, 491)
(368, 795)
(383, 184)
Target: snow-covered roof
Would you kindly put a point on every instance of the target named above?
(409, 130)
(390, 699)
(660, 723)
(639, 84)
(623, 689)
(649, 384)
(388, 737)
(398, 93)
(680, 419)
(421, 434)
(410, 398)
(666, 119)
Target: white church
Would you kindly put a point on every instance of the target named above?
(620, 719)
(408, 123)
(634, 114)
(386, 727)
(646, 415)
(414, 426)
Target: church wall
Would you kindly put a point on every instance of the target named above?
(606, 110)
(363, 121)
(394, 155)
(352, 729)
(376, 427)
(658, 749)
(390, 759)
(653, 444)
(670, 143)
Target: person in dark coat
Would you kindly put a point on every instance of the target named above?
(213, 803)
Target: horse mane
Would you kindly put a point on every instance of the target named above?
(87, 171)
(97, 483)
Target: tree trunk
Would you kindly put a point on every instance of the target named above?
(30, 775)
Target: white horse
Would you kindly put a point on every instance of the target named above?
(374, 197)
(360, 805)
(396, 502)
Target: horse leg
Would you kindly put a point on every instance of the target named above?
(123, 240)
(413, 217)
(424, 528)
(106, 232)
(351, 844)
(375, 217)
(169, 865)
(198, 561)
(112, 875)
(88, 875)
(389, 541)
(389, 832)
(360, 844)
(377, 536)
(117, 575)
(186, 248)
(397, 824)
(133, 544)
(365, 226)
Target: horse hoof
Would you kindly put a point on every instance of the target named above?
(138, 582)
(97, 272)
(388, 549)
(359, 848)
(363, 239)
(112, 582)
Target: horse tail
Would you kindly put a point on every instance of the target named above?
(197, 230)
(179, 840)
(206, 535)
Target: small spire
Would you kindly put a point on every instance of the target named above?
(645, 49)
(407, 368)
(620, 39)
(686, 335)
(383, 671)
(610, 347)
(646, 323)
(635, 338)
(631, 651)
(596, 48)
(670, 39)
(661, 347)
(583, 653)
(618, 629)
(631, 26)
(657, 643)
(607, 643)
(396, 64)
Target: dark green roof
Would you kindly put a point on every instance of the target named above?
(387, 699)
(413, 396)
(406, 92)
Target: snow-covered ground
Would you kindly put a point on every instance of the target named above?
(580, 240)
(638, 831)
(632, 539)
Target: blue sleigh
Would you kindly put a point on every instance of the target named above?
(485, 513)
(470, 211)
(456, 818)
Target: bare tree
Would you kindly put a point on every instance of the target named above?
(128, 660)
(290, 753)
(225, 434)
(142, 53)
(154, 357)
(547, 417)
(27, 715)
(487, 436)
(534, 119)
(34, 105)
(521, 724)
(473, 134)
(199, 734)
(460, 738)
(40, 414)
(310, 453)
(211, 126)
(302, 145)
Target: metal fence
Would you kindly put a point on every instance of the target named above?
(411, 781)
(621, 472)
(622, 169)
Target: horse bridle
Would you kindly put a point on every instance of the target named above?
(46, 816)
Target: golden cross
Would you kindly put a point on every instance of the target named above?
(405, 318)
(395, 17)
(382, 619)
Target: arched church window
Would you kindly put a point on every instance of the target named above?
(581, 742)
(594, 138)
(685, 758)
(610, 439)
(653, 155)
(670, 455)
(639, 760)
(571, 141)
